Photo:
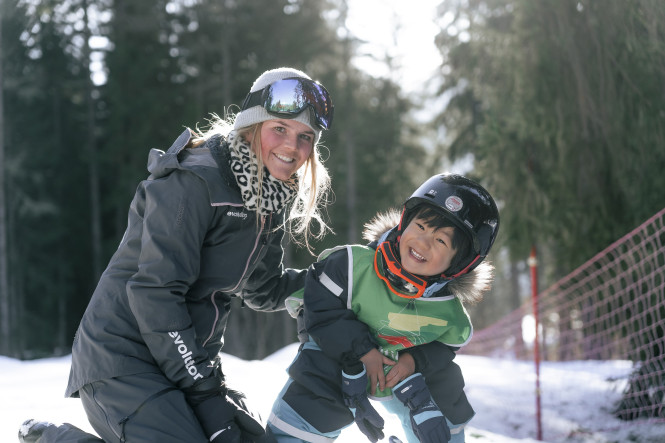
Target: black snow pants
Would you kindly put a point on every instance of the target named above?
(134, 408)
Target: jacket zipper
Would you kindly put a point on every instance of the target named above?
(264, 241)
(249, 259)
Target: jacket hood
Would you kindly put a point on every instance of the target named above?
(162, 163)
(209, 161)
(469, 288)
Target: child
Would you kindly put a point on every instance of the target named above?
(396, 303)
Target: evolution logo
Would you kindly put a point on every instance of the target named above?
(186, 355)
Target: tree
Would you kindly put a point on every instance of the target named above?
(91, 146)
(558, 103)
(4, 282)
(43, 175)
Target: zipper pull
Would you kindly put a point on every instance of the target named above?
(264, 240)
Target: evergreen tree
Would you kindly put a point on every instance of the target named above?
(43, 198)
(141, 105)
(4, 253)
(558, 103)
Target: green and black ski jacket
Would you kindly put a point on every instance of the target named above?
(347, 310)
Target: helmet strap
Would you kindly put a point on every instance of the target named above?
(466, 269)
(401, 226)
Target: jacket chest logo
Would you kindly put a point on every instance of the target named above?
(237, 214)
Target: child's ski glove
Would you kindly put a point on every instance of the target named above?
(427, 421)
(354, 391)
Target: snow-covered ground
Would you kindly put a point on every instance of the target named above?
(577, 398)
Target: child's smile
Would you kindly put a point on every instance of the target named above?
(426, 251)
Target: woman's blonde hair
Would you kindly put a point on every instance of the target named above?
(313, 181)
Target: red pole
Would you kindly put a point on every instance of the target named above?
(533, 264)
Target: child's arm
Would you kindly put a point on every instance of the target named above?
(328, 320)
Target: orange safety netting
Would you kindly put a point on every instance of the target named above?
(610, 308)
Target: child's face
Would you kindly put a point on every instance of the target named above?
(425, 251)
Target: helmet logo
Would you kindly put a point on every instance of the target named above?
(454, 203)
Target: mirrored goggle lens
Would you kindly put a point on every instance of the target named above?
(291, 97)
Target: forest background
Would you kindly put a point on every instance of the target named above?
(556, 106)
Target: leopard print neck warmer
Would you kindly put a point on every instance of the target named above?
(272, 195)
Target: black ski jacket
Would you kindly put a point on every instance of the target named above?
(189, 248)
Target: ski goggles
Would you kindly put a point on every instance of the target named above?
(399, 281)
(289, 97)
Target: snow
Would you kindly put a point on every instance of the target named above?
(577, 398)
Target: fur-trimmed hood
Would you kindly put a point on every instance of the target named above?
(469, 288)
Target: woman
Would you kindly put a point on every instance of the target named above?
(206, 226)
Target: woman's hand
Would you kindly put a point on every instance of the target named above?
(374, 361)
(404, 368)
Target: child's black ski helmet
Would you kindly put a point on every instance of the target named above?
(468, 205)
